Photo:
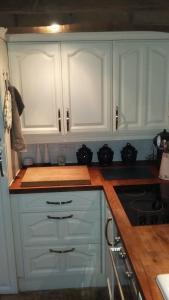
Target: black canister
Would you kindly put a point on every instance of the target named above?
(105, 155)
(84, 155)
(128, 154)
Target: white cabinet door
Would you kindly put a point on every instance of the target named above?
(128, 64)
(87, 87)
(140, 77)
(157, 87)
(35, 71)
(62, 260)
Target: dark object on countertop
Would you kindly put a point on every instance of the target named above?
(105, 155)
(128, 154)
(84, 155)
(128, 172)
(159, 140)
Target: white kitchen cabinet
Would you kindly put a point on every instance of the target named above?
(8, 282)
(36, 72)
(66, 88)
(58, 240)
(86, 70)
(141, 90)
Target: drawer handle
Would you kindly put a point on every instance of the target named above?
(61, 251)
(60, 218)
(66, 202)
(59, 203)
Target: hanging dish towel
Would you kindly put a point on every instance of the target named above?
(17, 141)
(7, 111)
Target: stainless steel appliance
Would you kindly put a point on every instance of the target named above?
(145, 204)
(121, 281)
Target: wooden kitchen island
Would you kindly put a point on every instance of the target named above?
(146, 246)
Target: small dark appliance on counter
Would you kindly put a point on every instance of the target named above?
(84, 155)
(128, 154)
(105, 155)
(160, 141)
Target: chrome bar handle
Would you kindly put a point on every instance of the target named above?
(59, 120)
(1, 166)
(116, 274)
(61, 251)
(68, 119)
(59, 218)
(117, 117)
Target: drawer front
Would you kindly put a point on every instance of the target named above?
(59, 201)
(61, 260)
(60, 227)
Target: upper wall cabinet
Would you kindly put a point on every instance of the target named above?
(36, 72)
(86, 70)
(141, 89)
(66, 88)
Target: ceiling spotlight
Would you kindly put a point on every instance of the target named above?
(54, 27)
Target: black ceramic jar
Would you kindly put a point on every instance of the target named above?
(128, 154)
(105, 155)
(84, 155)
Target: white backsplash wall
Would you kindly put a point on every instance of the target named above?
(145, 149)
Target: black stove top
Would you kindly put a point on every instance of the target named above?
(127, 172)
(145, 204)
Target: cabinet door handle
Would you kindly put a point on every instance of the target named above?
(59, 218)
(67, 120)
(59, 120)
(61, 251)
(1, 168)
(106, 232)
(117, 117)
(59, 203)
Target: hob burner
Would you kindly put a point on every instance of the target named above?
(145, 204)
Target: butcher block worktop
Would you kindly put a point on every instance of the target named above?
(147, 246)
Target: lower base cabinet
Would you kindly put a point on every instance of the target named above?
(58, 239)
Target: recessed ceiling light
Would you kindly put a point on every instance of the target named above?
(54, 27)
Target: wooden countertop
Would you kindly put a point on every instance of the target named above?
(147, 246)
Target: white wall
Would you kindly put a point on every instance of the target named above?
(145, 149)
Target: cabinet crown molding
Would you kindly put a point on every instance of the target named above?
(87, 36)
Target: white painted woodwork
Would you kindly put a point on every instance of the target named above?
(79, 227)
(85, 83)
(40, 262)
(62, 201)
(35, 71)
(140, 79)
(7, 261)
(157, 97)
(128, 83)
(35, 234)
(86, 69)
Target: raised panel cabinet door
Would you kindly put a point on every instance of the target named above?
(35, 71)
(128, 85)
(60, 227)
(157, 89)
(62, 260)
(86, 71)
